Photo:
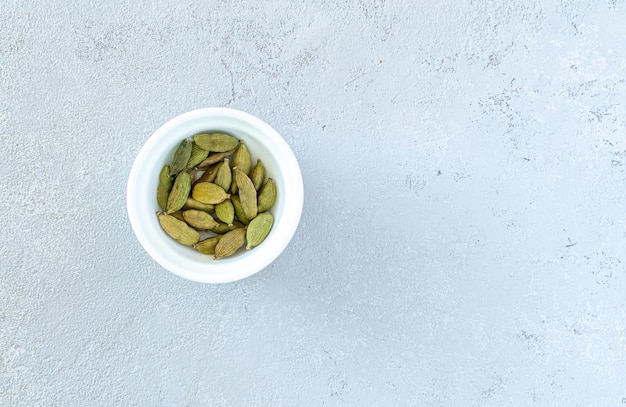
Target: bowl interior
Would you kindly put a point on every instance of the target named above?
(264, 143)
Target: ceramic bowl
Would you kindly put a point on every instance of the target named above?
(264, 143)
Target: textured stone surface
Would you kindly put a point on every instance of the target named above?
(464, 232)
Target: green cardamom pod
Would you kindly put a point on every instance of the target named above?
(257, 175)
(209, 175)
(178, 215)
(195, 204)
(164, 188)
(233, 186)
(267, 196)
(239, 213)
(258, 229)
(199, 219)
(181, 156)
(242, 159)
(230, 243)
(197, 155)
(216, 142)
(224, 175)
(178, 230)
(207, 246)
(247, 194)
(225, 212)
(179, 193)
(214, 158)
(207, 192)
(224, 228)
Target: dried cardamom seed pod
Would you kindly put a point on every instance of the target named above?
(178, 215)
(179, 193)
(242, 159)
(216, 142)
(181, 157)
(207, 192)
(209, 175)
(267, 196)
(178, 230)
(214, 158)
(258, 229)
(224, 228)
(233, 186)
(199, 220)
(244, 162)
(239, 213)
(207, 246)
(257, 175)
(224, 175)
(247, 194)
(225, 212)
(195, 204)
(164, 188)
(196, 157)
(230, 243)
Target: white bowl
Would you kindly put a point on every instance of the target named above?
(264, 143)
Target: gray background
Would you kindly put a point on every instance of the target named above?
(463, 237)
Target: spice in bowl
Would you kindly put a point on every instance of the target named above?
(212, 198)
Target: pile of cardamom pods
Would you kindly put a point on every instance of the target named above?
(212, 188)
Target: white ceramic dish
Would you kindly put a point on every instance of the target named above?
(264, 143)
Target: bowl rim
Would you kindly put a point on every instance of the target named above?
(256, 260)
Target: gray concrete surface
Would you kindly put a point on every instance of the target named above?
(464, 232)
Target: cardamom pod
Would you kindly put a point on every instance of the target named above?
(257, 175)
(247, 194)
(267, 196)
(225, 212)
(224, 228)
(195, 204)
(178, 215)
(209, 175)
(214, 158)
(178, 230)
(224, 175)
(181, 156)
(196, 157)
(216, 142)
(199, 219)
(242, 159)
(230, 243)
(207, 192)
(258, 229)
(239, 213)
(179, 193)
(233, 187)
(207, 246)
(164, 188)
